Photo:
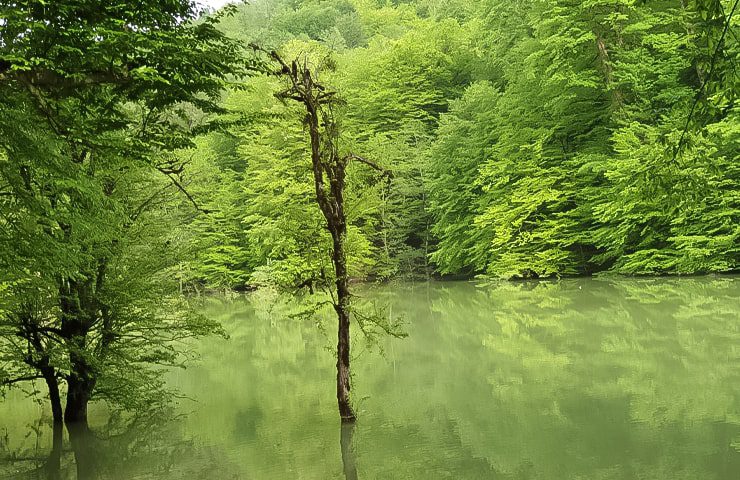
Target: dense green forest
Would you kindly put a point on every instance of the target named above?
(149, 151)
(527, 139)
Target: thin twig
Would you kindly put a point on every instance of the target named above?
(187, 194)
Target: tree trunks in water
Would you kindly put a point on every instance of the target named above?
(329, 173)
(343, 338)
(53, 463)
(85, 448)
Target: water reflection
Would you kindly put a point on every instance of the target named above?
(347, 448)
(597, 379)
(121, 449)
(558, 380)
(54, 462)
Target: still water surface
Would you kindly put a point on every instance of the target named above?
(577, 379)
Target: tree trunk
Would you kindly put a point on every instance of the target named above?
(43, 366)
(30, 331)
(331, 203)
(54, 397)
(76, 410)
(343, 339)
(53, 463)
(80, 310)
(84, 446)
(82, 378)
(79, 391)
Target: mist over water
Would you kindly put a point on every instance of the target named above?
(576, 379)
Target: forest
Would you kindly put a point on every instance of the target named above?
(155, 155)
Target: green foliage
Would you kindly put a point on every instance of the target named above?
(142, 159)
(458, 153)
(580, 168)
(527, 139)
(394, 87)
(89, 209)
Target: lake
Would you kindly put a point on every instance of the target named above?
(574, 379)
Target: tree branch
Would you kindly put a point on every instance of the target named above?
(13, 381)
(273, 55)
(182, 189)
(146, 204)
(386, 173)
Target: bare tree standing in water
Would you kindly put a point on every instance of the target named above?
(329, 173)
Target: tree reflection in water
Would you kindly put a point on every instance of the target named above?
(605, 379)
(135, 447)
(348, 452)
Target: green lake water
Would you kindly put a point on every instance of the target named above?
(577, 379)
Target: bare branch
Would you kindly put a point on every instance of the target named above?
(386, 173)
(274, 56)
(187, 194)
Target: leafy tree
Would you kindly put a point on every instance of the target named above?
(107, 90)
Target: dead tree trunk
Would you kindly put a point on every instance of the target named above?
(338, 231)
(329, 173)
(329, 167)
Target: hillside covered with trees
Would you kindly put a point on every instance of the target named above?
(526, 139)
